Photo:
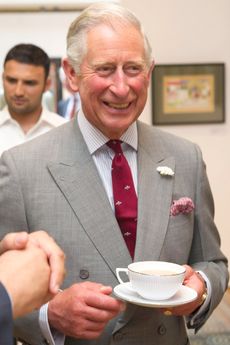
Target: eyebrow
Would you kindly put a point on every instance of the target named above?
(8, 77)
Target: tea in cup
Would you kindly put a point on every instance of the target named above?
(154, 280)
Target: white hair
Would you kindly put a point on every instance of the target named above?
(92, 16)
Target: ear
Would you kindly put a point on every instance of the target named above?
(70, 74)
(47, 84)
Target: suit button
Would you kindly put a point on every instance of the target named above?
(161, 330)
(118, 336)
(84, 274)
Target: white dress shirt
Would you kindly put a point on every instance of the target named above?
(11, 133)
(103, 155)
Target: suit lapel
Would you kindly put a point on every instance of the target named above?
(154, 196)
(78, 179)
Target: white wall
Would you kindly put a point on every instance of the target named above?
(46, 29)
(180, 31)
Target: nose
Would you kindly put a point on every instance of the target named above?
(19, 89)
(120, 86)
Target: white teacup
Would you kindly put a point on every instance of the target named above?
(155, 280)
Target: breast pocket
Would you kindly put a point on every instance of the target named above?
(178, 239)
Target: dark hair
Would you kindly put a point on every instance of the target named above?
(29, 54)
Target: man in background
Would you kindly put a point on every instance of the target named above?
(25, 79)
(39, 266)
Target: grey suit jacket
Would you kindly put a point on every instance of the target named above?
(52, 183)
(6, 318)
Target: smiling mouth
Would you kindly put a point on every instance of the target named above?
(117, 106)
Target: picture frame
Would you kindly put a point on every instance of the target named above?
(188, 94)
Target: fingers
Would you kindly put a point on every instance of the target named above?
(195, 281)
(30, 289)
(56, 261)
(108, 290)
(41, 239)
(14, 241)
(55, 255)
(188, 273)
(83, 310)
(103, 307)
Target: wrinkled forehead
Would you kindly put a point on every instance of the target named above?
(117, 25)
(115, 36)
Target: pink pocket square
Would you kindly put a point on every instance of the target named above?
(183, 205)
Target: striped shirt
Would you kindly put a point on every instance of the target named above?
(103, 155)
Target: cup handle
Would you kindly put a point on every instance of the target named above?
(118, 270)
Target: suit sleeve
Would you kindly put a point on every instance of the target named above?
(12, 211)
(205, 254)
(6, 323)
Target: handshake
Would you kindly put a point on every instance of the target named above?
(31, 269)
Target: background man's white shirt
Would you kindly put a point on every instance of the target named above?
(11, 133)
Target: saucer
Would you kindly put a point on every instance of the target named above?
(126, 293)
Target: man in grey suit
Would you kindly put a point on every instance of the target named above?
(62, 182)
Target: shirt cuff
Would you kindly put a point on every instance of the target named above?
(198, 315)
(53, 337)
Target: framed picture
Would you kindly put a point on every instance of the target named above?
(188, 94)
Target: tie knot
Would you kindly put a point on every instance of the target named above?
(115, 145)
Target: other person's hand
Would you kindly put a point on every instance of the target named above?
(25, 274)
(41, 239)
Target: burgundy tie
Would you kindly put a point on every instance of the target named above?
(125, 198)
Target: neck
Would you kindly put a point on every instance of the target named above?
(27, 121)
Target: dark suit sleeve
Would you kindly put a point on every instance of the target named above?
(6, 324)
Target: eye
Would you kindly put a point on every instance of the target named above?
(11, 80)
(105, 70)
(30, 82)
(133, 69)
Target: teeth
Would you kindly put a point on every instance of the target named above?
(118, 106)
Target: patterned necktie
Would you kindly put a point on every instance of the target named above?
(125, 198)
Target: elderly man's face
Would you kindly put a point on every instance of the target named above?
(114, 78)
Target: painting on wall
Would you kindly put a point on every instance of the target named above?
(188, 94)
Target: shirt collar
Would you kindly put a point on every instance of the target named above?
(4, 116)
(45, 117)
(95, 139)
